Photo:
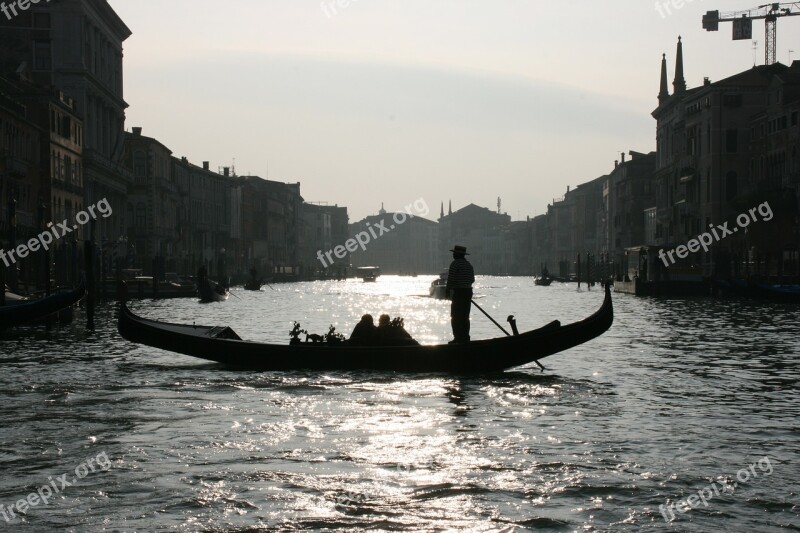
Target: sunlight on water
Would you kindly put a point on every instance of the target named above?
(646, 414)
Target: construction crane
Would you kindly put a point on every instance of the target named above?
(743, 23)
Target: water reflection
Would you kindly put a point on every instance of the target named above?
(677, 393)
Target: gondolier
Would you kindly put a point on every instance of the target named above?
(460, 278)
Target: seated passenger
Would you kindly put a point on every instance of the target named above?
(392, 333)
(365, 332)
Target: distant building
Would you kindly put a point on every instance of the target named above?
(154, 206)
(324, 228)
(272, 226)
(628, 193)
(484, 232)
(398, 243)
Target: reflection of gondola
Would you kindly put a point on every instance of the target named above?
(33, 310)
(222, 344)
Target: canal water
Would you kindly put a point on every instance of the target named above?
(683, 417)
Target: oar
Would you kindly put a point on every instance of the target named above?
(490, 318)
(501, 327)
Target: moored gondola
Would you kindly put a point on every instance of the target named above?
(223, 345)
(33, 310)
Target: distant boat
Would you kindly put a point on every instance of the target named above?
(438, 287)
(543, 281)
(369, 273)
(223, 345)
(211, 291)
(254, 285)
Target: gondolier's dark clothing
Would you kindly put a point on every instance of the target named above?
(460, 278)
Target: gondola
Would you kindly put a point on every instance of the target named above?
(223, 345)
(758, 291)
(543, 281)
(210, 291)
(254, 285)
(33, 310)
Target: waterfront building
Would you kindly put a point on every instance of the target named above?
(75, 46)
(153, 206)
(628, 192)
(324, 228)
(20, 183)
(721, 152)
(271, 227)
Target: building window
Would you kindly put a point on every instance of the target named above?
(41, 20)
(141, 215)
(730, 186)
(42, 57)
(731, 141)
(732, 100)
(140, 166)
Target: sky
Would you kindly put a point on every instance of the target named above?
(399, 100)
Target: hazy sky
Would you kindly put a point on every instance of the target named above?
(395, 100)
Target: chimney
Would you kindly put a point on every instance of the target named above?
(226, 171)
(205, 165)
(623, 157)
(137, 131)
(706, 82)
(616, 163)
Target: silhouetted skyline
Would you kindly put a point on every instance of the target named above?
(387, 101)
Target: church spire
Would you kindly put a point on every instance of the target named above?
(382, 211)
(679, 85)
(441, 213)
(663, 94)
(450, 207)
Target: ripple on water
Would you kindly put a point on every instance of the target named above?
(677, 395)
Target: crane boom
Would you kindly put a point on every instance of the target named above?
(743, 23)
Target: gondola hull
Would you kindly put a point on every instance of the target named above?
(33, 310)
(222, 345)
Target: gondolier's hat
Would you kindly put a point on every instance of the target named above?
(459, 250)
